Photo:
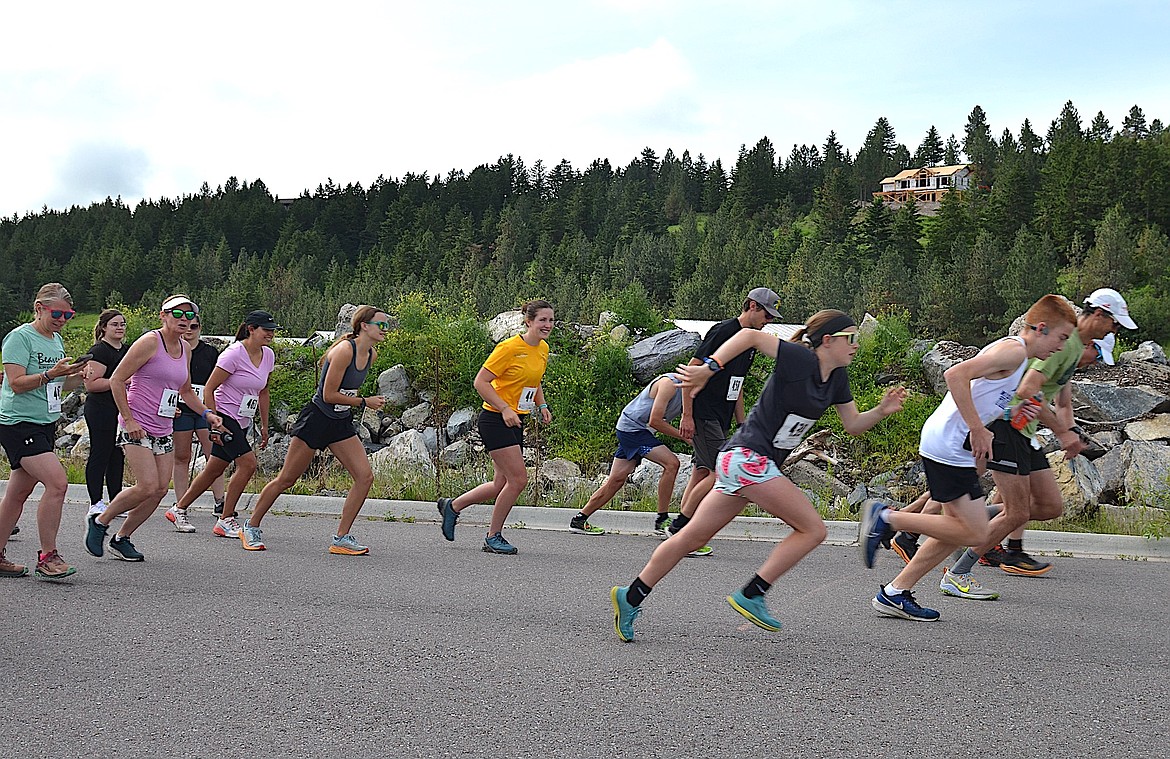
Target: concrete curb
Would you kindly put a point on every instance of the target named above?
(1044, 542)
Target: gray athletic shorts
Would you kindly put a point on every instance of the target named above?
(709, 438)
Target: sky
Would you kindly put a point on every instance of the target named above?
(151, 100)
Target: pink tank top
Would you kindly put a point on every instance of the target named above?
(160, 376)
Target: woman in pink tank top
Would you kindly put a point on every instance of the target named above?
(147, 386)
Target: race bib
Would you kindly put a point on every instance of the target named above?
(527, 400)
(53, 390)
(734, 388)
(168, 405)
(341, 407)
(198, 392)
(792, 429)
(249, 404)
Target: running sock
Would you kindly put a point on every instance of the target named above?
(891, 590)
(680, 522)
(1015, 545)
(756, 587)
(965, 563)
(637, 592)
(580, 517)
(661, 518)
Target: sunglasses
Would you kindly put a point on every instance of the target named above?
(66, 315)
(384, 326)
(179, 313)
(852, 337)
(194, 326)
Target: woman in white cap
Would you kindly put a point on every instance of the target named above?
(190, 426)
(35, 373)
(238, 392)
(146, 387)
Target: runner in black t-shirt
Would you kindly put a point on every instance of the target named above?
(105, 467)
(708, 415)
(806, 381)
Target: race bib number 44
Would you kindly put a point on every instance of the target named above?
(527, 400)
(792, 430)
(168, 405)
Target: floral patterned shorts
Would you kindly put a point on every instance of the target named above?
(739, 467)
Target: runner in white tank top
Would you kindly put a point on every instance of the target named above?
(955, 447)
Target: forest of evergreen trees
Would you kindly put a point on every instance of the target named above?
(1077, 208)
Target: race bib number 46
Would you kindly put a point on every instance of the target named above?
(168, 405)
(53, 389)
(249, 404)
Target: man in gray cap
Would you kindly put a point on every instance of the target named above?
(706, 418)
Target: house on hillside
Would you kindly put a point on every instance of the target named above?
(926, 184)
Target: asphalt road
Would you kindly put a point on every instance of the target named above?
(431, 649)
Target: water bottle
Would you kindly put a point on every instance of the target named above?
(1019, 420)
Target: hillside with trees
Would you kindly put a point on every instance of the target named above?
(1077, 207)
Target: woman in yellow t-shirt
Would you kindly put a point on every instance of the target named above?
(509, 383)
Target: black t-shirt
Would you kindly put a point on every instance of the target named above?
(712, 402)
(203, 358)
(110, 357)
(793, 400)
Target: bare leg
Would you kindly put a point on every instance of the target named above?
(296, 461)
(352, 456)
(614, 482)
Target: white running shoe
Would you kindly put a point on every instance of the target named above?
(178, 517)
(227, 527)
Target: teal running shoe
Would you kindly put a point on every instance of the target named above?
(624, 614)
(754, 610)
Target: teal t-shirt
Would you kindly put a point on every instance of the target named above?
(1058, 370)
(26, 347)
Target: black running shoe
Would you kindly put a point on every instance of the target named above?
(905, 544)
(994, 557)
(1020, 563)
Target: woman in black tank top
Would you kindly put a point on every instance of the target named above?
(329, 424)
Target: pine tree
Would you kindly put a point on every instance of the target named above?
(931, 151)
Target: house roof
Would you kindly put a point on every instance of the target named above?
(938, 171)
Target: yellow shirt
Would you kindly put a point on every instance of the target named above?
(518, 367)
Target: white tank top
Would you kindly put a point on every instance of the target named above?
(945, 431)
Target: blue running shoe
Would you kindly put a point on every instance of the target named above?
(754, 610)
(95, 535)
(902, 605)
(450, 517)
(872, 530)
(122, 548)
(496, 544)
(624, 614)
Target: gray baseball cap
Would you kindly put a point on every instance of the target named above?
(768, 299)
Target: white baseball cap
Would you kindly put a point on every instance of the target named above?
(1111, 301)
(1105, 348)
(178, 300)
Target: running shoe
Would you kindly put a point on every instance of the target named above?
(95, 535)
(9, 569)
(50, 566)
(993, 558)
(250, 537)
(965, 586)
(227, 527)
(450, 517)
(702, 551)
(15, 530)
(624, 614)
(754, 610)
(96, 508)
(871, 530)
(662, 526)
(902, 605)
(347, 545)
(581, 526)
(122, 548)
(1020, 563)
(497, 544)
(905, 544)
(178, 517)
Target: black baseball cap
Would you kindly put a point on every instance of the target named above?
(261, 319)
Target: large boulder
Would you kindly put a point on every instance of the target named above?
(662, 352)
(1155, 428)
(271, 459)
(557, 472)
(416, 416)
(394, 386)
(505, 325)
(1147, 476)
(944, 355)
(1079, 482)
(345, 319)
(810, 477)
(1147, 351)
(1100, 402)
(457, 454)
(406, 451)
(461, 422)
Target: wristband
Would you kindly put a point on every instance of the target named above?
(712, 364)
(45, 378)
(206, 411)
(543, 405)
(362, 405)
